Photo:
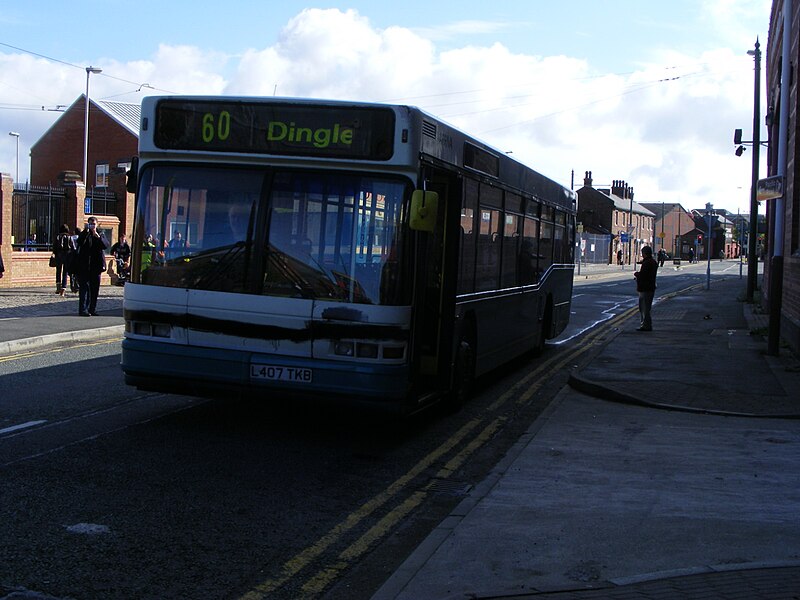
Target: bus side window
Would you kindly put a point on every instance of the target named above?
(488, 264)
(545, 239)
(529, 251)
(511, 245)
(466, 271)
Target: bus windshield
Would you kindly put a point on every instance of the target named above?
(304, 234)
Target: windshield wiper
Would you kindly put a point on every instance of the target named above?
(215, 266)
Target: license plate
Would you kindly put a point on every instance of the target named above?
(280, 373)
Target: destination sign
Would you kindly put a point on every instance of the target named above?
(275, 128)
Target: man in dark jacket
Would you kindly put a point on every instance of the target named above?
(89, 264)
(646, 286)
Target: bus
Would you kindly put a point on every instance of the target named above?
(337, 250)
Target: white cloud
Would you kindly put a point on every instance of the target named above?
(454, 30)
(666, 128)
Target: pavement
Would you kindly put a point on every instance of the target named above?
(669, 467)
(33, 319)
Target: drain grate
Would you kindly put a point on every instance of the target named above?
(450, 488)
(669, 315)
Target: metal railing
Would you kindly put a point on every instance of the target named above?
(37, 212)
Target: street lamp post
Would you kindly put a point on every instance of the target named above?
(16, 135)
(89, 71)
(752, 258)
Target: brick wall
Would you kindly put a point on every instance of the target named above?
(790, 297)
(32, 269)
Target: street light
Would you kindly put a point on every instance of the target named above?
(16, 135)
(752, 259)
(89, 70)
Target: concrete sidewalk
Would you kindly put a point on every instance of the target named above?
(37, 318)
(651, 485)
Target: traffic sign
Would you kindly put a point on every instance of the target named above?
(661, 235)
(624, 238)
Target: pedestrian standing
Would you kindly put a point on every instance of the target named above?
(63, 248)
(89, 264)
(73, 281)
(646, 286)
(2, 266)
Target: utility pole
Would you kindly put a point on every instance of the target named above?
(752, 257)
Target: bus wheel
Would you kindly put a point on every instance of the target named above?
(463, 376)
(538, 349)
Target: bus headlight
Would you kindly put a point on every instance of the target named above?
(161, 330)
(394, 352)
(341, 348)
(367, 350)
(141, 328)
(145, 328)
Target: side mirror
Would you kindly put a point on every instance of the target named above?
(424, 206)
(132, 176)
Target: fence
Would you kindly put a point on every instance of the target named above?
(593, 248)
(36, 214)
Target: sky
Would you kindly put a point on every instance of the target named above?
(637, 90)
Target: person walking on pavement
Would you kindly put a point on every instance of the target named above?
(64, 249)
(662, 256)
(2, 266)
(646, 286)
(90, 262)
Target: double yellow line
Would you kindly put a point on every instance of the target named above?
(474, 438)
(55, 348)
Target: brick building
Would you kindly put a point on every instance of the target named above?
(783, 217)
(113, 141)
(674, 228)
(612, 211)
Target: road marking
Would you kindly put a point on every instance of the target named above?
(21, 426)
(51, 349)
(299, 562)
(316, 584)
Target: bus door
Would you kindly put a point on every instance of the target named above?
(435, 284)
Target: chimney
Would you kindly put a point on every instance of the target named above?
(618, 188)
(587, 179)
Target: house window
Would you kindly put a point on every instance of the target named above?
(101, 175)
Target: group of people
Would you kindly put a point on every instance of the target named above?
(81, 257)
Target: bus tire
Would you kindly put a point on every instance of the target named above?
(547, 319)
(463, 376)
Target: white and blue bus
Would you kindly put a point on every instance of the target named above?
(340, 250)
